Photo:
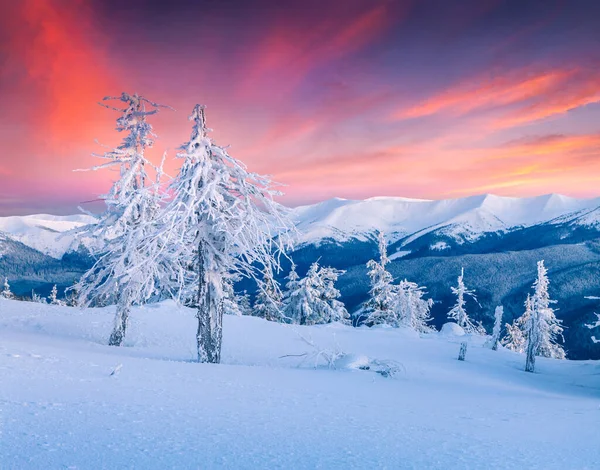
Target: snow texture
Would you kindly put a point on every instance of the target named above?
(69, 401)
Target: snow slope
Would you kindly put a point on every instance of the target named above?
(60, 407)
(45, 233)
(464, 219)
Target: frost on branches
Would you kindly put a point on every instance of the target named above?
(333, 310)
(230, 300)
(222, 221)
(458, 312)
(313, 299)
(36, 298)
(591, 326)
(126, 272)
(268, 301)
(411, 309)
(542, 327)
(52, 298)
(495, 339)
(298, 298)
(516, 334)
(379, 309)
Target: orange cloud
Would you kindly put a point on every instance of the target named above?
(516, 98)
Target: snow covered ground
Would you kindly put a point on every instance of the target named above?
(60, 407)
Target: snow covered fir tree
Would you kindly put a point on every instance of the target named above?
(411, 309)
(125, 272)
(542, 327)
(6, 293)
(516, 333)
(379, 308)
(268, 303)
(458, 313)
(223, 221)
(313, 299)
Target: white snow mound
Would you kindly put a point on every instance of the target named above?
(452, 329)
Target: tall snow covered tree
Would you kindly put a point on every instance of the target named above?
(411, 309)
(543, 328)
(6, 293)
(268, 301)
(223, 221)
(458, 312)
(379, 309)
(125, 272)
(495, 339)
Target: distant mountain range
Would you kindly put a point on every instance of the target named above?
(497, 239)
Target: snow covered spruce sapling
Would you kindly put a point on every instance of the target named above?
(268, 303)
(379, 309)
(6, 293)
(299, 297)
(516, 335)
(36, 298)
(53, 297)
(458, 312)
(411, 309)
(125, 272)
(542, 326)
(333, 309)
(222, 221)
(313, 299)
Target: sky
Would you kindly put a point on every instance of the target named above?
(353, 98)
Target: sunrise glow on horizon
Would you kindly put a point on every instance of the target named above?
(353, 99)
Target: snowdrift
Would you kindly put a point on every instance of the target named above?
(69, 401)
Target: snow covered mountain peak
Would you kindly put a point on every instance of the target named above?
(462, 219)
(44, 232)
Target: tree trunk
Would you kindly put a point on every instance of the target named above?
(531, 345)
(495, 345)
(210, 316)
(121, 319)
(463, 351)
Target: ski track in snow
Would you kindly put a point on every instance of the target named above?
(60, 407)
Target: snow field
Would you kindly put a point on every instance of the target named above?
(60, 407)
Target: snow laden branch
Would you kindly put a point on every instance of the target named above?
(591, 326)
(542, 327)
(125, 272)
(313, 299)
(222, 221)
(458, 313)
(494, 341)
(379, 309)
